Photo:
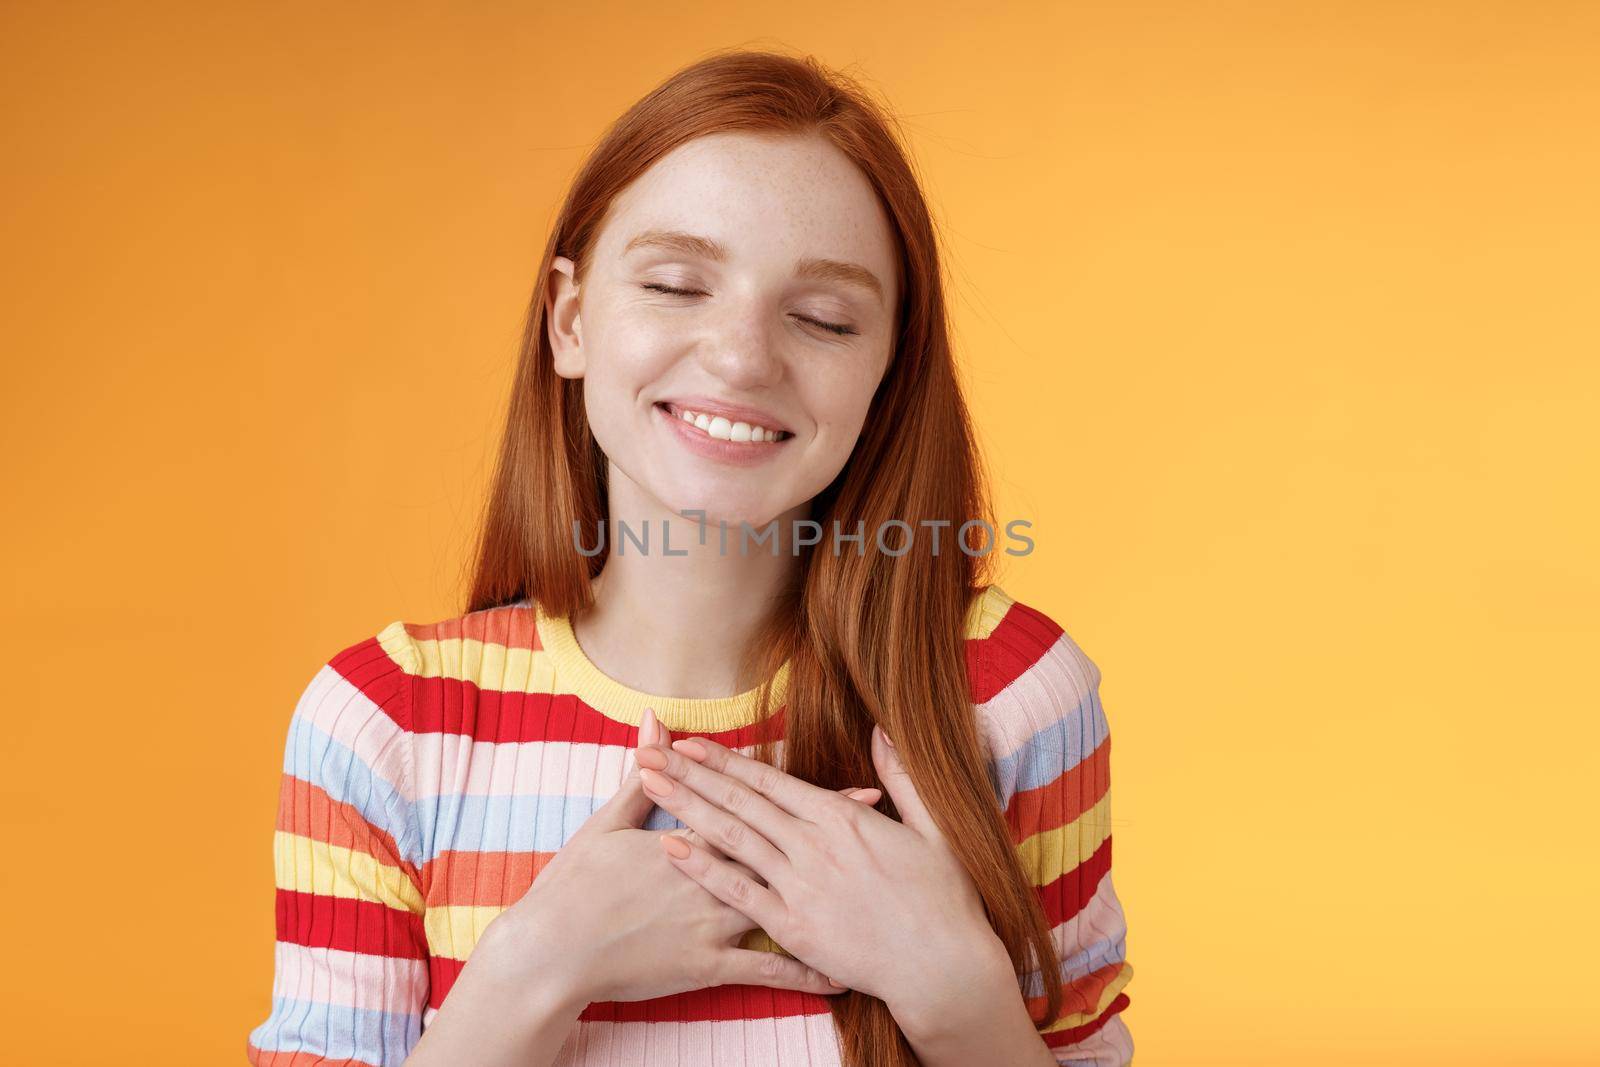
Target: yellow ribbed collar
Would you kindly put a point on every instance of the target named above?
(577, 674)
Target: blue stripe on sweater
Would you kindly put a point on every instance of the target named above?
(336, 1031)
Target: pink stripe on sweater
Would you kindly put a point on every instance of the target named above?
(350, 979)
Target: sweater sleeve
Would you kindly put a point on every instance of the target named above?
(1050, 748)
(350, 977)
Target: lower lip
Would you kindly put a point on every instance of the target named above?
(736, 453)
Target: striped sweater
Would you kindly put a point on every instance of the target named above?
(432, 770)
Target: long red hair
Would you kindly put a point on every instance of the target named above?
(869, 637)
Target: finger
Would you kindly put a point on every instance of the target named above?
(727, 832)
(730, 794)
(695, 839)
(652, 731)
(795, 796)
(630, 804)
(625, 809)
(748, 966)
(789, 792)
(723, 881)
(868, 796)
(730, 921)
(897, 782)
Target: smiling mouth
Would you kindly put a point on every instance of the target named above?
(722, 429)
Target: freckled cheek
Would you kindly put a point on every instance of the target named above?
(635, 360)
(840, 410)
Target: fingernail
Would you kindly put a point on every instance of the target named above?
(693, 749)
(647, 729)
(653, 758)
(675, 846)
(836, 985)
(866, 796)
(659, 784)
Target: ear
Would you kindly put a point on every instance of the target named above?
(561, 319)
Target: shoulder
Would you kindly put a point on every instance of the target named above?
(349, 736)
(1034, 689)
(378, 674)
(366, 705)
(481, 648)
(1010, 642)
(370, 674)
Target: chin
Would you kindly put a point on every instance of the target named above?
(720, 505)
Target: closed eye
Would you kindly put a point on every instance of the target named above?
(831, 327)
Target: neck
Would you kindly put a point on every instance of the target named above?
(680, 625)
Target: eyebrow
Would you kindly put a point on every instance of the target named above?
(824, 270)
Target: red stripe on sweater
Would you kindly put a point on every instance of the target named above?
(1063, 799)
(381, 680)
(718, 1004)
(1071, 893)
(1072, 1034)
(1081, 995)
(318, 921)
(450, 705)
(1018, 641)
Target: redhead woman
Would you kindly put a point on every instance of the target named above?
(735, 755)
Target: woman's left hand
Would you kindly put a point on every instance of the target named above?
(877, 905)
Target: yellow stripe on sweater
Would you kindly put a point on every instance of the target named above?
(455, 929)
(986, 611)
(304, 865)
(1107, 995)
(1049, 854)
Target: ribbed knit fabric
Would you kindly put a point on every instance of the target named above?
(431, 771)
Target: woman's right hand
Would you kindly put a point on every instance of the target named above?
(612, 916)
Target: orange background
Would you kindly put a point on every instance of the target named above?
(1281, 328)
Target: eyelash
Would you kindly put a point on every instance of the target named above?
(831, 327)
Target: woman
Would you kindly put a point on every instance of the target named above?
(735, 436)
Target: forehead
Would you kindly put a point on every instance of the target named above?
(775, 198)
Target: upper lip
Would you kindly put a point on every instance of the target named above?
(732, 412)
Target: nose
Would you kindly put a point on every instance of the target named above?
(741, 349)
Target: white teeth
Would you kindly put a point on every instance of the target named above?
(724, 430)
